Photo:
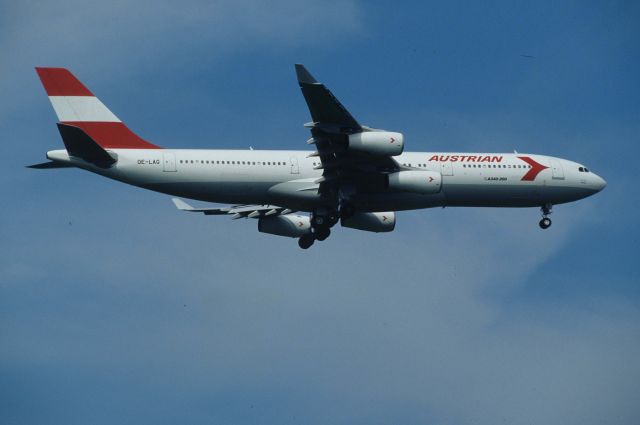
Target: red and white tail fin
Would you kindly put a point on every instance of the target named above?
(75, 105)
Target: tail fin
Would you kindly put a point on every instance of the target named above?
(75, 105)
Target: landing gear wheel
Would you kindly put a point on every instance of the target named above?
(318, 220)
(545, 223)
(322, 233)
(306, 241)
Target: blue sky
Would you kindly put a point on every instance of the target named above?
(116, 308)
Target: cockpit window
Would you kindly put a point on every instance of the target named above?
(583, 169)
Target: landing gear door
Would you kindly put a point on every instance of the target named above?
(295, 168)
(168, 162)
(556, 169)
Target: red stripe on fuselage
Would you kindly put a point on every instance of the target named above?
(114, 135)
(61, 82)
(535, 169)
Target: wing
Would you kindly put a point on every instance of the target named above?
(326, 110)
(235, 211)
(343, 170)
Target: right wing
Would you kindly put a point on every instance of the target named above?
(235, 211)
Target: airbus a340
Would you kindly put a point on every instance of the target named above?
(356, 175)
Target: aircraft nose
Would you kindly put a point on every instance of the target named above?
(598, 183)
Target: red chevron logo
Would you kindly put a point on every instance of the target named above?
(535, 169)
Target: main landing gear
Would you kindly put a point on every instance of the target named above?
(306, 241)
(546, 221)
(320, 229)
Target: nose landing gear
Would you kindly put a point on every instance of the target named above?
(546, 221)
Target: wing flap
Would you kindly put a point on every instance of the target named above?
(236, 211)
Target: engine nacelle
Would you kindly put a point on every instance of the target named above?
(371, 222)
(387, 143)
(425, 182)
(290, 225)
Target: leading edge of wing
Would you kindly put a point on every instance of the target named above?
(326, 110)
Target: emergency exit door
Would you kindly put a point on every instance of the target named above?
(295, 168)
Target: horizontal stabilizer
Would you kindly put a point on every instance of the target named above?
(50, 164)
(81, 145)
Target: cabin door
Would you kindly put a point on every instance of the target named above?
(168, 162)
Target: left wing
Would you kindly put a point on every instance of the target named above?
(352, 156)
(235, 211)
(326, 111)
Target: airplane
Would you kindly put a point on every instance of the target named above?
(357, 175)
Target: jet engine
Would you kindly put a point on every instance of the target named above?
(385, 143)
(371, 222)
(425, 182)
(290, 225)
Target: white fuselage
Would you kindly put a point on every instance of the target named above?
(288, 178)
